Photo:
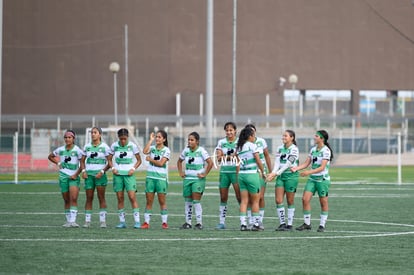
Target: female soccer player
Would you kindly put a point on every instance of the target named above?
(195, 158)
(319, 158)
(94, 164)
(265, 158)
(67, 158)
(287, 157)
(225, 153)
(158, 156)
(249, 179)
(124, 160)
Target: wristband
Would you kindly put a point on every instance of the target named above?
(102, 171)
(83, 170)
(113, 168)
(59, 163)
(133, 168)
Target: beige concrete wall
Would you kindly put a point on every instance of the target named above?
(56, 53)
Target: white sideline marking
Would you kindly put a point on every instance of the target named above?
(209, 239)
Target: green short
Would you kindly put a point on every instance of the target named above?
(122, 183)
(156, 185)
(226, 179)
(91, 182)
(65, 182)
(321, 185)
(250, 182)
(289, 181)
(192, 185)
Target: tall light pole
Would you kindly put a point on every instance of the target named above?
(293, 80)
(114, 68)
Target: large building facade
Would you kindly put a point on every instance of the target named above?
(56, 54)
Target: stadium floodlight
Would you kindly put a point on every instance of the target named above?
(293, 79)
(114, 68)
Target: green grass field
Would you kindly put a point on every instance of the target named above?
(370, 230)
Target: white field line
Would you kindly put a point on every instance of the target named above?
(257, 238)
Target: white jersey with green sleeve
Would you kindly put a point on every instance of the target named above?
(157, 172)
(124, 156)
(95, 157)
(316, 157)
(247, 160)
(261, 145)
(228, 148)
(69, 159)
(194, 161)
(286, 158)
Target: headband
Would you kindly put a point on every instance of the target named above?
(69, 133)
(320, 135)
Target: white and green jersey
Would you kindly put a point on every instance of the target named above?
(95, 157)
(261, 145)
(286, 158)
(317, 156)
(248, 163)
(124, 156)
(69, 159)
(157, 172)
(228, 148)
(194, 161)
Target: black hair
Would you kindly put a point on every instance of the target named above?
(325, 141)
(164, 135)
(243, 137)
(232, 124)
(250, 125)
(292, 134)
(123, 132)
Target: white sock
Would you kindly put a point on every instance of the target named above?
(188, 209)
(102, 216)
(147, 217)
(136, 215)
(223, 213)
(73, 215)
(121, 215)
(261, 215)
(307, 219)
(281, 214)
(291, 215)
(198, 212)
(324, 218)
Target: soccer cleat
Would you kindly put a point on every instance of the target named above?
(137, 225)
(304, 227)
(221, 226)
(281, 227)
(67, 225)
(289, 228)
(321, 229)
(145, 226)
(74, 225)
(249, 226)
(86, 225)
(103, 225)
(121, 225)
(257, 227)
(243, 227)
(198, 226)
(186, 226)
(164, 225)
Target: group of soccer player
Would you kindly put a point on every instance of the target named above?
(243, 159)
